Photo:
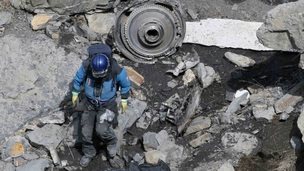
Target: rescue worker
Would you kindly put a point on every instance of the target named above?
(101, 77)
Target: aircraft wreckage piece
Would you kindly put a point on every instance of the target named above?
(145, 31)
(226, 33)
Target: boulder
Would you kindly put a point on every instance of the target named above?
(240, 143)
(283, 27)
(39, 85)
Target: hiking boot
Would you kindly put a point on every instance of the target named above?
(85, 160)
(116, 162)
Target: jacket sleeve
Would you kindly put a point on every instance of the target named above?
(79, 79)
(124, 83)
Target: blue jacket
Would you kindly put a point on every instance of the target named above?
(116, 78)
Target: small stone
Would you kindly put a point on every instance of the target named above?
(198, 124)
(188, 77)
(205, 138)
(138, 158)
(152, 157)
(150, 141)
(239, 60)
(172, 83)
(40, 20)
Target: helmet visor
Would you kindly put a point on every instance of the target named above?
(99, 74)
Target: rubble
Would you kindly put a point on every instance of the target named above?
(14, 147)
(56, 117)
(290, 99)
(138, 158)
(37, 165)
(198, 124)
(172, 83)
(283, 27)
(188, 77)
(224, 33)
(40, 20)
(206, 74)
(134, 76)
(263, 111)
(101, 22)
(235, 105)
(188, 61)
(239, 60)
(191, 108)
(150, 141)
(226, 167)
(239, 142)
(202, 139)
(5, 18)
(153, 156)
(61, 7)
(49, 136)
(5, 166)
(144, 121)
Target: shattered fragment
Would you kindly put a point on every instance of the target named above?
(188, 77)
(134, 76)
(239, 60)
(205, 138)
(206, 75)
(40, 20)
(14, 147)
(198, 124)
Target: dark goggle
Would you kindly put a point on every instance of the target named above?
(99, 74)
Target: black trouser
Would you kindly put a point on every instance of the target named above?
(104, 130)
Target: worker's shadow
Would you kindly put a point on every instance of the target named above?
(275, 71)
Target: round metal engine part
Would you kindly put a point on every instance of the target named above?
(143, 32)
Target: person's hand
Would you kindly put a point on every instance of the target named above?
(124, 105)
(74, 98)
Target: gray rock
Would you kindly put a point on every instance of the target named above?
(37, 165)
(5, 166)
(263, 111)
(5, 18)
(48, 136)
(172, 83)
(138, 158)
(149, 141)
(198, 124)
(238, 142)
(239, 60)
(101, 22)
(283, 28)
(30, 156)
(53, 118)
(144, 121)
(59, 6)
(188, 77)
(205, 74)
(153, 156)
(200, 140)
(25, 89)
(226, 167)
(14, 147)
(290, 99)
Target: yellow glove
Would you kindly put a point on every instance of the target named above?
(74, 98)
(124, 105)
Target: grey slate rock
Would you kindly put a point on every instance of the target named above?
(5, 166)
(48, 136)
(5, 18)
(35, 165)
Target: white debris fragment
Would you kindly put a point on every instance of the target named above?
(188, 77)
(224, 33)
(239, 60)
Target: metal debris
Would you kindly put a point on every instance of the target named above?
(145, 31)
